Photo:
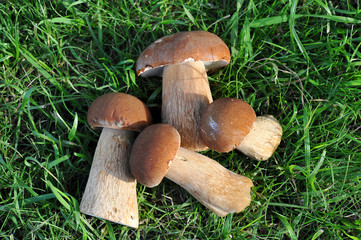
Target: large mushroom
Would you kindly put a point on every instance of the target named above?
(110, 192)
(183, 59)
(157, 153)
(230, 123)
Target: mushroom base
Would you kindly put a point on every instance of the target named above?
(263, 139)
(110, 192)
(219, 189)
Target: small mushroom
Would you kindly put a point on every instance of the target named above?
(183, 59)
(225, 123)
(110, 192)
(230, 123)
(157, 153)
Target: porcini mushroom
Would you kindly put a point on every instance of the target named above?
(230, 123)
(157, 153)
(183, 60)
(225, 123)
(110, 192)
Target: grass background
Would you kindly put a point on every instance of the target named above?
(297, 60)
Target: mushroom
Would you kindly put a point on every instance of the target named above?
(225, 123)
(110, 192)
(230, 123)
(157, 153)
(183, 60)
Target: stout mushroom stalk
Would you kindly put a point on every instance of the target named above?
(186, 94)
(217, 188)
(111, 189)
(263, 139)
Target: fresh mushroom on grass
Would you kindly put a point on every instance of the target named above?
(183, 59)
(110, 192)
(157, 153)
(230, 123)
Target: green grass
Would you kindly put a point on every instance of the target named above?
(297, 60)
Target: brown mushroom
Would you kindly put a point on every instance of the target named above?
(230, 123)
(225, 123)
(183, 59)
(157, 153)
(110, 192)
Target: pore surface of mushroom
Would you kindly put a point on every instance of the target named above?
(183, 59)
(110, 192)
(156, 153)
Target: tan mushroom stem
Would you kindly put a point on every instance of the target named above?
(263, 139)
(186, 94)
(219, 189)
(110, 192)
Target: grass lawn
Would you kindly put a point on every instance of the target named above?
(297, 60)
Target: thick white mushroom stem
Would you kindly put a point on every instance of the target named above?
(110, 192)
(186, 94)
(263, 139)
(219, 189)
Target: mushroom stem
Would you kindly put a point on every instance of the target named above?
(263, 139)
(110, 192)
(219, 189)
(186, 94)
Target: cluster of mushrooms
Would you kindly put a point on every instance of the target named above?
(131, 148)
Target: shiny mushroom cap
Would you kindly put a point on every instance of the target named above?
(120, 111)
(153, 152)
(225, 123)
(181, 47)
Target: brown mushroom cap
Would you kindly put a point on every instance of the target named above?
(118, 110)
(153, 152)
(180, 47)
(225, 123)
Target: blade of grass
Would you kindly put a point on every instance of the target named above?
(37, 199)
(288, 226)
(60, 196)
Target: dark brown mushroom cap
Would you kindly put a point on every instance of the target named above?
(153, 152)
(119, 110)
(225, 123)
(180, 47)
